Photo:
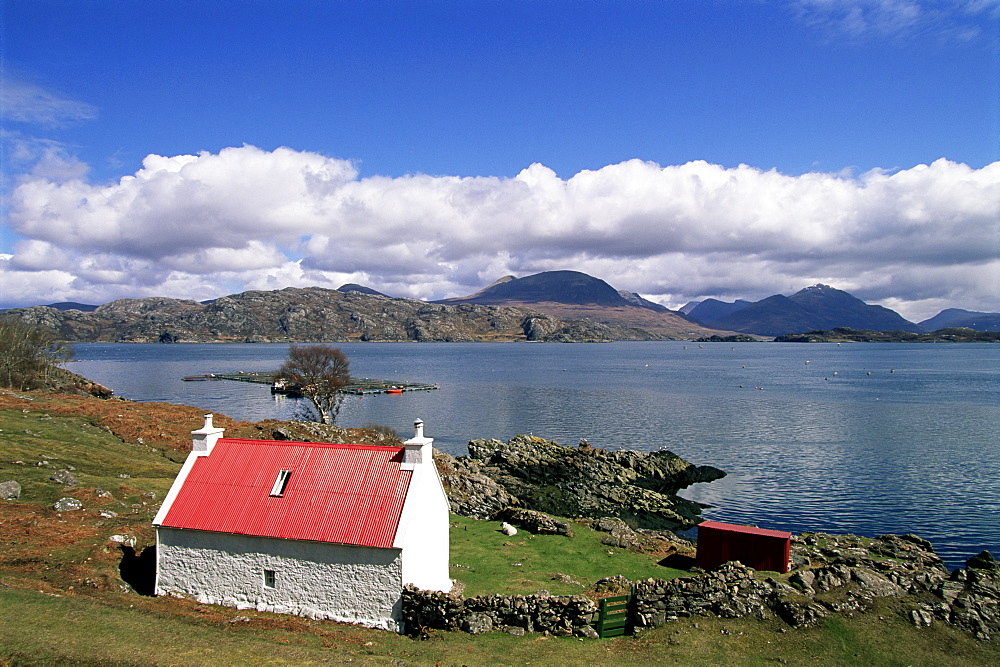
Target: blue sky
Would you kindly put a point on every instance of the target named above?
(393, 143)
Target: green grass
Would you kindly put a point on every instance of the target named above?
(487, 561)
(43, 444)
(40, 629)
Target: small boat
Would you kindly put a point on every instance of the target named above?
(284, 388)
(394, 391)
(199, 378)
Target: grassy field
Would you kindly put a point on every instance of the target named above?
(63, 601)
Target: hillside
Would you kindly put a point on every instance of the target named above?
(312, 314)
(572, 295)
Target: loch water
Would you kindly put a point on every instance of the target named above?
(864, 438)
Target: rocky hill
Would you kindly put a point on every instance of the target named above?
(572, 295)
(314, 314)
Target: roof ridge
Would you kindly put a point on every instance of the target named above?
(303, 443)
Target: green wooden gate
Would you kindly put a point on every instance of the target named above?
(614, 617)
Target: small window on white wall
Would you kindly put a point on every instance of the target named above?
(281, 483)
(268, 578)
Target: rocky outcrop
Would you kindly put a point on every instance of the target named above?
(310, 314)
(538, 474)
(969, 598)
(470, 492)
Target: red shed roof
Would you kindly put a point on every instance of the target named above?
(349, 494)
(748, 530)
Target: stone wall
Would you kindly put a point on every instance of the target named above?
(516, 614)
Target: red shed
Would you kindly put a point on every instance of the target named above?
(758, 548)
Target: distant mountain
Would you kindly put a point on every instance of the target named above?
(956, 317)
(72, 305)
(568, 287)
(572, 295)
(713, 309)
(351, 287)
(772, 316)
(813, 308)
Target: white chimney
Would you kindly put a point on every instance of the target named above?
(204, 439)
(418, 448)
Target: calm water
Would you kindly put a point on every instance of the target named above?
(860, 438)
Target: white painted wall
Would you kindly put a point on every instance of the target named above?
(423, 532)
(313, 579)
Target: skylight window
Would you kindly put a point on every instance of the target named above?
(278, 490)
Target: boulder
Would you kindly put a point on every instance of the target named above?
(535, 522)
(10, 490)
(982, 561)
(63, 477)
(67, 505)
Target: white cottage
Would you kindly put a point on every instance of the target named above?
(319, 530)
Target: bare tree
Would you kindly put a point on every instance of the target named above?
(320, 373)
(28, 354)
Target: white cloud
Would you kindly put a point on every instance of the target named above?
(193, 226)
(946, 20)
(28, 103)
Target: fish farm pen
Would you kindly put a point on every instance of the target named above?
(359, 386)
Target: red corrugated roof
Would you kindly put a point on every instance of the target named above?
(749, 530)
(349, 494)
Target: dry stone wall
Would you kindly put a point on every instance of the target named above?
(516, 614)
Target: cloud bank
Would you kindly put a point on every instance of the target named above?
(200, 226)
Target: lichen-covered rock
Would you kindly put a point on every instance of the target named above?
(800, 614)
(972, 599)
(67, 505)
(63, 477)
(10, 490)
